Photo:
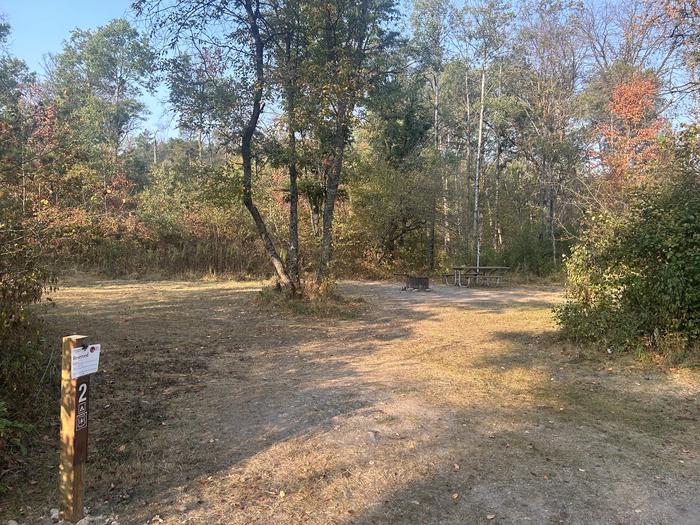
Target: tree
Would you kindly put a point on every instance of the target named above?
(234, 31)
(24, 250)
(680, 21)
(551, 69)
(431, 24)
(95, 85)
(105, 71)
(290, 52)
(483, 36)
(348, 54)
(392, 174)
(202, 95)
(631, 137)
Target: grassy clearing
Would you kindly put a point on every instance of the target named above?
(219, 403)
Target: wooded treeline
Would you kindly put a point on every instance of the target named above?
(390, 138)
(325, 138)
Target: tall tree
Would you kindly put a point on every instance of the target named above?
(290, 53)
(97, 81)
(236, 31)
(348, 54)
(431, 32)
(483, 35)
(631, 135)
(551, 70)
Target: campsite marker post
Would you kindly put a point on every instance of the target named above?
(79, 360)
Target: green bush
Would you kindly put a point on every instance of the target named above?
(23, 363)
(634, 281)
(12, 434)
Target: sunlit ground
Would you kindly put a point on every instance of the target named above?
(453, 406)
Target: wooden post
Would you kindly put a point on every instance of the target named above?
(74, 434)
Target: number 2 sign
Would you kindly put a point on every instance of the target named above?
(81, 417)
(79, 361)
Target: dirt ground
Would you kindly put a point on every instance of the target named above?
(456, 406)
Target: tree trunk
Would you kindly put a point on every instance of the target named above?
(551, 194)
(477, 178)
(436, 110)
(443, 178)
(331, 193)
(431, 242)
(497, 235)
(544, 232)
(291, 89)
(314, 213)
(468, 170)
(293, 256)
(24, 182)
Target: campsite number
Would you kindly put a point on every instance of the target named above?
(83, 393)
(79, 361)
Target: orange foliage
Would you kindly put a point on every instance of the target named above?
(632, 100)
(679, 10)
(631, 138)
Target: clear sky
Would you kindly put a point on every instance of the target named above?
(39, 27)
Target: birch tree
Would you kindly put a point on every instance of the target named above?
(430, 21)
(483, 37)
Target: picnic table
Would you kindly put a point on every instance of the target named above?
(478, 273)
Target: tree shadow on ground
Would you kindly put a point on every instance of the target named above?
(624, 401)
(194, 380)
(583, 447)
(198, 387)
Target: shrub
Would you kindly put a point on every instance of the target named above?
(634, 280)
(23, 278)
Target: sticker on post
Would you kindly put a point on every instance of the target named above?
(84, 361)
(81, 421)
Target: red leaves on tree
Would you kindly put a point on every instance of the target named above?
(631, 138)
(631, 101)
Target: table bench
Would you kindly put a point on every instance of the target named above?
(483, 274)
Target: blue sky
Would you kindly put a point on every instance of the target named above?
(39, 27)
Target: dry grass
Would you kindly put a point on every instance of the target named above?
(326, 306)
(456, 406)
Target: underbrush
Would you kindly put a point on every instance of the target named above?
(70, 274)
(28, 381)
(633, 282)
(556, 278)
(328, 305)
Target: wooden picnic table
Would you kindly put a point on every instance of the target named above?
(477, 272)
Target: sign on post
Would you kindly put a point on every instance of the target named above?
(84, 360)
(79, 360)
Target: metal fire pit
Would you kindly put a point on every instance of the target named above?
(414, 283)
